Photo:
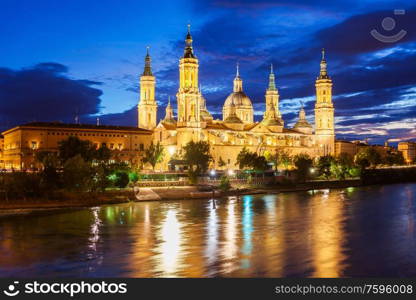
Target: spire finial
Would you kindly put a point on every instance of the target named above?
(189, 52)
(168, 100)
(272, 84)
(323, 53)
(147, 50)
(147, 66)
(238, 70)
(323, 72)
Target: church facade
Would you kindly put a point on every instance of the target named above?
(237, 129)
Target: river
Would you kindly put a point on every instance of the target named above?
(365, 232)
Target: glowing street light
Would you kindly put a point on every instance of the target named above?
(212, 173)
(230, 172)
(171, 150)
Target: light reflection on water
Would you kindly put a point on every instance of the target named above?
(366, 231)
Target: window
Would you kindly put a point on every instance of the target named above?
(34, 145)
(141, 147)
(111, 146)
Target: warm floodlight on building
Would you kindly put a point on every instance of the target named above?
(230, 172)
(171, 150)
(312, 170)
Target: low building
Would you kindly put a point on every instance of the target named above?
(409, 151)
(22, 142)
(345, 147)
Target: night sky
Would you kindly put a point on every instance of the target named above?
(59, 59)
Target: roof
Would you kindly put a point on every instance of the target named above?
(239, 99)
(83, 126)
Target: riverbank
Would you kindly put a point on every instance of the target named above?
(203, 192)
(67, 200)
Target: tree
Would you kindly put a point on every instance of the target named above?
(273, 158)
(77, 174)
(367, 157)
(49, 173)
(323, 165)
(154, 154)
(197, 157)
(285, 159)
(73, 146)
(341, 166)
(221, 162)
(303, 164)
(121, 179)
(245, 158)
(251, 160)
(394, 158)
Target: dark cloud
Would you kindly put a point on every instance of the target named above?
(353, 36)
(45, 93)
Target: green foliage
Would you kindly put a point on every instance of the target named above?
(121, 179)
(251, 160)
(49, 173)
(367, 157)
(193, 176)
(225, 184)
(284, 158)
(325, 165)
(341, 166)
(354, 172)
(273, 158)
(303, 164)
(394, 158)
(197, 157)
(77, 174)
(73, 146)
(133, 177)
(20, 185)
(154, 154)
(101, 180)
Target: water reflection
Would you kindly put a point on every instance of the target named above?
(170, 246)
(327, 219)
(365, 231)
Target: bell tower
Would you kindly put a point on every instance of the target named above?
(188, 96)
(324, 112)
(147, 108)
(272, 100)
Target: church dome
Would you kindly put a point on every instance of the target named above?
(238, 99)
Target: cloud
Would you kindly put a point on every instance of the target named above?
(44, 92)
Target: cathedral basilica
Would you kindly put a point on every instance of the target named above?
(237, 129)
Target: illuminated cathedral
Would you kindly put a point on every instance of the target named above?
(237, 129)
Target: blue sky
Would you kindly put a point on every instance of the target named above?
(59, 59)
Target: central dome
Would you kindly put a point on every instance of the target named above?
(238, 99)
(240, 102)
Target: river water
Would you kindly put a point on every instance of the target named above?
(366, 232)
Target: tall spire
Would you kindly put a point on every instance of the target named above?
(238, 83)
(147, 67)
(323, 74)
(272, 84)
(189, 52)
(169, 113)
